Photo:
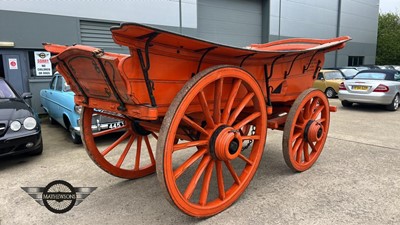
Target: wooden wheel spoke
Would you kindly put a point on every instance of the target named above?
(297, 145)
(192, 159)
(217, 100)
(117, 142)
(154, 135)
(206, 183)
(125, 152)
(313, 147)
(315, 102)
(299, 151)
(321, 120)
(247, 120)
(233, 172)
(220, 180)
(189, 144)
(196, 177)
(306, 153)
(194, 125)
(307, 110)
(109, 131)
(297, 135)
(318, 110)
(138, 152)
(206, 109)
(240, 107)
(150, 150)
(244, 158)
(231, 99)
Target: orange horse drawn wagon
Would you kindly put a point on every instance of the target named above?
(196, 111)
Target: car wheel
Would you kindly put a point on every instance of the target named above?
(52, 121)
(346, 103)
(39, 150)
(395, 104)
(76, 138)
(330, 92)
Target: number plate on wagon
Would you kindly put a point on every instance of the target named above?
(360, 88)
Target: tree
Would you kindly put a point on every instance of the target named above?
(388, 46)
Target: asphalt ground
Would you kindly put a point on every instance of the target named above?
(355, 181)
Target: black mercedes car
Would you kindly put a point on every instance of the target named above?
(19, 124)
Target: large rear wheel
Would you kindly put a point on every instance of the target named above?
(222, 113)
(123, 148)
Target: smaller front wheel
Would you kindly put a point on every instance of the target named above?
(394, 105)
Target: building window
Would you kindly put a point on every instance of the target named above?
(355, 61)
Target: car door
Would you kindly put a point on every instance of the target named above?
(320, 82)
(46, 96)
(58, 101)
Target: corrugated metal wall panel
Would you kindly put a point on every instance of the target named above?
(97, 34)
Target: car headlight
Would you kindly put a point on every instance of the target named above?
(15, 125)
(78, 109)
(30, 123)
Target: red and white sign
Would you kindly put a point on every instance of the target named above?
(13, 63)
(43, 64)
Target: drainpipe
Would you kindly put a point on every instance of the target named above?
(338, 28)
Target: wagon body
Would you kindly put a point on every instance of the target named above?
(207, 106)
(291, 66)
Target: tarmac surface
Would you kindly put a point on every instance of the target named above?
(356, 180)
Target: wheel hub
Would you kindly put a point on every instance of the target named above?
(314, 131)
(225, 143)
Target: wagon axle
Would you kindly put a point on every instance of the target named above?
(314, 131)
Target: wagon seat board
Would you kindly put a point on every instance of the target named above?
(283, 68)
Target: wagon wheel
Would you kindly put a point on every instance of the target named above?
(306, 129)
(221, 154)
(125, 150)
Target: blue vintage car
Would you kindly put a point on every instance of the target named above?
(58, 102)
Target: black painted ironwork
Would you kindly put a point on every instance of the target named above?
(70, 74)
(309, 63)
(245, 58)
(291, 65)
(121, 106)
(145, 65)
(207, 50)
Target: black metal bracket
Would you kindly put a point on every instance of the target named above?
(317, 68)
(267, 85)
(70, 74)
(207, 50)
(245, 58)
(286, 74)
(145, 65)
(309, 63)
(121, 106)
(273, 64)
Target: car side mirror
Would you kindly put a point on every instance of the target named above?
(26, 95)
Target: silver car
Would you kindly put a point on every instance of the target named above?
(372, 86)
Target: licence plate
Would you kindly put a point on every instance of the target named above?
(115, 125)
(360, 88)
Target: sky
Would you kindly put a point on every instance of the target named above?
(386, 6)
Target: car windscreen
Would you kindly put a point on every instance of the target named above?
(333, 75)
(6, 91)
(370, 76)
(349, 72)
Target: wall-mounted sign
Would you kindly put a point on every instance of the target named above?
(43, 64)
(13, 63)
